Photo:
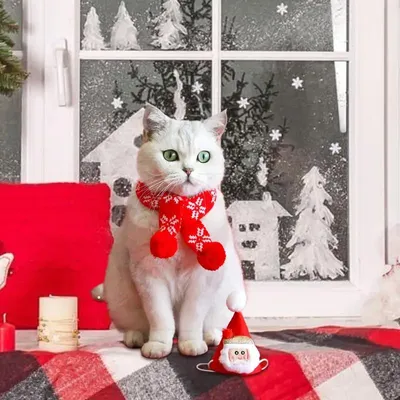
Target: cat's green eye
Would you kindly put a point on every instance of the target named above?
(204, 156)
(170, 155)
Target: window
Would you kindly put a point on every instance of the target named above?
(295, 76)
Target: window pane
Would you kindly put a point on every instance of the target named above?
(112, 93)
(10, 138)
(138, 24)
(285, 25)
(14, 8)
(286, 183)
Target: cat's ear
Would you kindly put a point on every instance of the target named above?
(217, 123)
(154, 121)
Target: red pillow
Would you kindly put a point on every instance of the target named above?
(60, 236)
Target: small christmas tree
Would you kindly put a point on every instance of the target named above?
(313, 240)
(92, 38)
(12, 74)
(169, 27)
(124, 33)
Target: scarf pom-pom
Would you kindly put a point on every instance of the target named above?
(212, 257)
(163, 245)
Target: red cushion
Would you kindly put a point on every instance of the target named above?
(60, 236)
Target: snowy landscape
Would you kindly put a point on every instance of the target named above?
(286, 143)
(165, 25)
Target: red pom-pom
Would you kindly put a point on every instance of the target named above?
(163, 245)
(212, 257)
(227, 334)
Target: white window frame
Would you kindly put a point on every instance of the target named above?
(393, 128)
(51, 147)
(33, 111)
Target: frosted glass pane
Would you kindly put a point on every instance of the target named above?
(286, 184)
(285, 25)
(146, 25)
(10, 138)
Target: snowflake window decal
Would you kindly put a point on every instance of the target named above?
(297, 83)
(197, 87)
(275, 134)
(282, 9)
(335, 148)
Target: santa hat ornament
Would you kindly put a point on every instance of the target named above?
(236, 354)
(5, 262)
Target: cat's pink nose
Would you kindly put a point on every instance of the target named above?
(187, 171)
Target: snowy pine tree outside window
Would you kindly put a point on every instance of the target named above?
(93, 39)
(312, 240)
(163, 24)
(169, 27)
(124, 33)
(295, 144)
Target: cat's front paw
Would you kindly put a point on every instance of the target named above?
(192, 347)
(156, 349)
(213, 336)
(133, 339)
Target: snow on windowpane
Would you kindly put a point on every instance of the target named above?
(287, 25)
(151, 25)
(10, 138)
(286, 181)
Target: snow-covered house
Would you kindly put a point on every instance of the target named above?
(255, 226)
(117, 156)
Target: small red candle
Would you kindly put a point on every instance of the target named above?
(7, 336)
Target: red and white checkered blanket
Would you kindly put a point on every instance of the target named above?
(329, 363)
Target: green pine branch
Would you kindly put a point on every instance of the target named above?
(12, 73)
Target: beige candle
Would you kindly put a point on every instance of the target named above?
(58, 323)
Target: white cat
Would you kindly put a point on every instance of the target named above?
(150, 299)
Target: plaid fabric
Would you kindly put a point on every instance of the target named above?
(325, 363)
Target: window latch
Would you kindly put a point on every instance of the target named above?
(61, 60)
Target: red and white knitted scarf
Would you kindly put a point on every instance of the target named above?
(180, 214)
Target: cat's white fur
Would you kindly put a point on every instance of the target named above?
(150, 299)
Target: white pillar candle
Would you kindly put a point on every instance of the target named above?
(58, 323)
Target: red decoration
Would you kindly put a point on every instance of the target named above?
(163, 245)
(212, 256)
(236, 344)
(7, 336)
(60, 237)
(179, 214)
(227, 334)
